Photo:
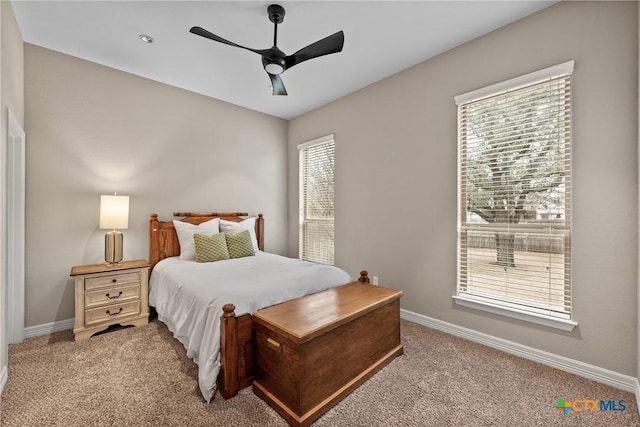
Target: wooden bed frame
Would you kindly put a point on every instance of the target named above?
(236, 332)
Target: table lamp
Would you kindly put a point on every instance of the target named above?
(114, 215)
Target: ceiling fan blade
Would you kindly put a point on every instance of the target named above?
(209, 35)
(326, 46)
(277, 85)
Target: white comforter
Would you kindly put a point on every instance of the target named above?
(189, 296)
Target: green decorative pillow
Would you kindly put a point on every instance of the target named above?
(239, 244)
(210, 248)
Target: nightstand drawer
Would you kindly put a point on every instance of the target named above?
(110, 313)
(111, 280)
(112, 295)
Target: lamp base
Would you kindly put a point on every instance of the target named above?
(113, 247)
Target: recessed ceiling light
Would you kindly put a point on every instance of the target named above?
(146, 38)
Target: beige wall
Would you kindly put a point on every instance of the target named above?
(94, 130)
(11, 97)
(396, 175)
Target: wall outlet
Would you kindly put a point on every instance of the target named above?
(374, 280)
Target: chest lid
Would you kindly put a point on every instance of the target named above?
(305, 318)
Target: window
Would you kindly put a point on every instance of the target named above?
(317, 166)
(514, 204)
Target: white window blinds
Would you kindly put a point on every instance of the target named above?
(514, 188)
(317, 166)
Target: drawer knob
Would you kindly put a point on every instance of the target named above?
(114, 280)
(114, 314)
(115, 296)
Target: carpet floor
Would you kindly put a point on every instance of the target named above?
(142, 377)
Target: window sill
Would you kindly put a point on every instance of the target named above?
(484, 304)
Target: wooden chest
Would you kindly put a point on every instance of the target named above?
(313, 351)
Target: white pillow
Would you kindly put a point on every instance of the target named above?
(185, 235)
(231, 227)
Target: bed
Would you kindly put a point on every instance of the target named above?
(217, 328)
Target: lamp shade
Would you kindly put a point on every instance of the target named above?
(114, 212)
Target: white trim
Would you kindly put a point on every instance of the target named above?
(4, 375)
(15, 190)
(48, 328)
(637, 391)
(517, 82)
(318, 141)
(503, 309)
(585, 370)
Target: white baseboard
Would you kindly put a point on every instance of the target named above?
(4, 374)
(592, 372)
(47, 328)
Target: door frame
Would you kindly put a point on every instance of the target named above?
(15, 226)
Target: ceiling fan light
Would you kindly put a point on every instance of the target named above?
(273, 68)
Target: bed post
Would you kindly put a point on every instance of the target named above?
(260, 231)
(364, 276)
(153, 240)
(228, 377)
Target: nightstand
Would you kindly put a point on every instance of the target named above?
(108, 295)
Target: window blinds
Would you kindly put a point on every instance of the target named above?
(514, 187)
(317, 166)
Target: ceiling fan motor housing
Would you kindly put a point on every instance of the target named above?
(275, 63)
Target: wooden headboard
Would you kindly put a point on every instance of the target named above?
(163, 239)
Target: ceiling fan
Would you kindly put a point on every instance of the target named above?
(274, 61)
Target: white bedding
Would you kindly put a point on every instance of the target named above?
(189, 296)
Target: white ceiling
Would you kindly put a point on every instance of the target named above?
(381, 38)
